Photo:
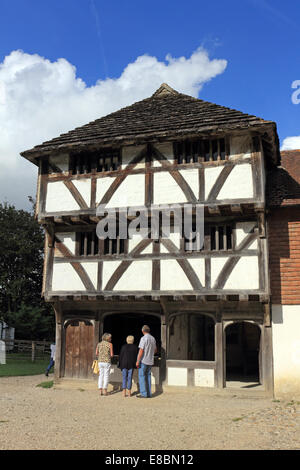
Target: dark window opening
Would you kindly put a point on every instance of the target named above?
(194, 242)
(220, 237)
(89, 245)
(80, 163)
(204, 150)
(216, 238)
(215, 152)
(114, 246)
(106, 159)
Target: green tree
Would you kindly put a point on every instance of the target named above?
(21, 267)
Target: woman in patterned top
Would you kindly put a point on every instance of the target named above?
(104, 352)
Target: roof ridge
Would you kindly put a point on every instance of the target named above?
(167, 112)
(164, 90)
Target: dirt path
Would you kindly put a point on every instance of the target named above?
(37, 418)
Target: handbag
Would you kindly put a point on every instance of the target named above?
(95, 367)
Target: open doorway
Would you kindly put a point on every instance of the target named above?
(121, 325)
(243, 353)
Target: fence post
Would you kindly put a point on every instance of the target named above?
(33, 351)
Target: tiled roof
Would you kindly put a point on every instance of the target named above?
(283, 183)
(166, 113)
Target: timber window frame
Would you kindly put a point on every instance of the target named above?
(217, 237)
(88, 244)
(99, 161)
(201, 150)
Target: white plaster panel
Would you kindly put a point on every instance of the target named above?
(68, 239)
(174, 238)
(130, 152)
(286, 349)
(138, 276)
(204, 378)
(240, 147)
(172, 276)
(59, 198)
(191, 176)
(130, 193)
(109, 268)
(211, 174)
(198, 264)
(166, 148)
(102, 186)
(92, 271)
(135, 240)
(238, 184)
(61, 161)
(217, 265)
(65, 278)
(242, 230)
(245, 274)
(177, 376)
(156, 163)
(253, 245)
(166, 190)
(84, 188)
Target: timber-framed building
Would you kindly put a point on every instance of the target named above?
(209, 309)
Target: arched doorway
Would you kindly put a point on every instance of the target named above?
(121, 325)
(243, 352)
(79, 348)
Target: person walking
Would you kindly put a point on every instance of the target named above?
(104, 353)
(127, 363)
(52, 359)
(145, 361)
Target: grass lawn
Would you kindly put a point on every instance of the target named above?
(17, 364)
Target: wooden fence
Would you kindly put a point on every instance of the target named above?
(28, 347)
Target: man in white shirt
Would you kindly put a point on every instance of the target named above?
(145, 361)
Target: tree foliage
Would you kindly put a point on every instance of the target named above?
(21, 270)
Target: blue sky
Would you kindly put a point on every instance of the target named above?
(258, 39)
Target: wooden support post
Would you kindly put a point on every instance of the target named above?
(96, 332)
(58, 342)
(164, 321)
(163, 367)
(101, 324)
(267, 360)
(219, 354)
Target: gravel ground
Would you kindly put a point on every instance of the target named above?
(37, 418)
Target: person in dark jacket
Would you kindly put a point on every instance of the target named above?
(127, 363)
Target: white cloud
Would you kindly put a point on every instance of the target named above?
(40, 99)
(291, 143)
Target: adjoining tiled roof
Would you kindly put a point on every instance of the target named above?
(166, 113)
(283, 183)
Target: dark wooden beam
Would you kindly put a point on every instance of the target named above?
(236, 208)
(79, 219)
(214, 210)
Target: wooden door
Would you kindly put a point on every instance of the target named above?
(79, 349)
